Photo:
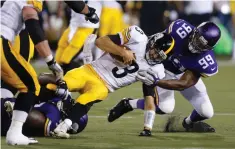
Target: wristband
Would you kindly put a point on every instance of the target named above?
(49, 60)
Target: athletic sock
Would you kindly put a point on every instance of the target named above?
(149, 116)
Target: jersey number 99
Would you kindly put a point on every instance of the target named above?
(183, 31)
(206, 61)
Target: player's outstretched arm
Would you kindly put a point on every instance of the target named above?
(150, 78)
(188, 79)
(36, 33)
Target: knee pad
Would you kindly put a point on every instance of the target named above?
(167, 106)
(207, 110)
(165, 109)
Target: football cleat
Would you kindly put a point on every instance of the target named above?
(9, 106)
(145, 133)
(197, 127)
(121, 108)
(19, 139)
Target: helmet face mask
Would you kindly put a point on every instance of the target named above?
(198, 43)
(155, 56)
(155, 51)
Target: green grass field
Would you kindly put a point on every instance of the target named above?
(123, 133)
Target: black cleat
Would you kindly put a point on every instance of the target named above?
(121, 108)
(198, 127)
(145, 133)
(187, 127)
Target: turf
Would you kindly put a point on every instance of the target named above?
(123, 133)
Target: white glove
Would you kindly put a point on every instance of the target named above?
(148, 77)
(56, 69)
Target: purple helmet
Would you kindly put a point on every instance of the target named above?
(80, 126)
(204, 37)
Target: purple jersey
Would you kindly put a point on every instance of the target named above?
(182, 59)
(52, 114)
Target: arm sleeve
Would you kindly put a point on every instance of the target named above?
(76, 6)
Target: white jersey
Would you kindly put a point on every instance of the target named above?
(115, 73)
(12, 19)
(78, 20)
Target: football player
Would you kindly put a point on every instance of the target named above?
(15, 70)
(71, 42)
(192, 58)
(125, 56)
(42, 119)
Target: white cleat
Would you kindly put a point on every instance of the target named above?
(61, 130)
(19, 139)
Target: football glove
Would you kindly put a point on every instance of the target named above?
(56, 69)
(62, 91)
(148, 77)
(92, 16)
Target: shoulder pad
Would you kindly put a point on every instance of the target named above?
(132, 34)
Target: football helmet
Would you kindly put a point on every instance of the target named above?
(159, 47)
(204, 37)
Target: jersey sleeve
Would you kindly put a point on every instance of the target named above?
(183, 27)
(210, 72)
(37, 4)
(207, 65)
(170, 27)
(132, 34)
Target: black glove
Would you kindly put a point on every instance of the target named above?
(56, 69)
(92, 16)
(62, 91)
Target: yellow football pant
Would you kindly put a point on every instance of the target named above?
(111, 21)
(87, 82)
(66, 50)
(15, 70)
(24, 45)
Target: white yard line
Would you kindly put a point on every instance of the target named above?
(130, 117)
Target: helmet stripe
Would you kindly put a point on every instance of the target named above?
(171, 47)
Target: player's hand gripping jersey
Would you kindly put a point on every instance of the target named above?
(118, 75)
(182, 59)
(11, 17)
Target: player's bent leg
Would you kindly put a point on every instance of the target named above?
(164, 105)
(203, 109)
(92, 92)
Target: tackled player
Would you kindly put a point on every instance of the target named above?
(94, 81)
(192, 58)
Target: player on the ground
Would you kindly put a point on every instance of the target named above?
(109, 73)
(70, 45)
(42, 119)
(15, 70)
(192, 58)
